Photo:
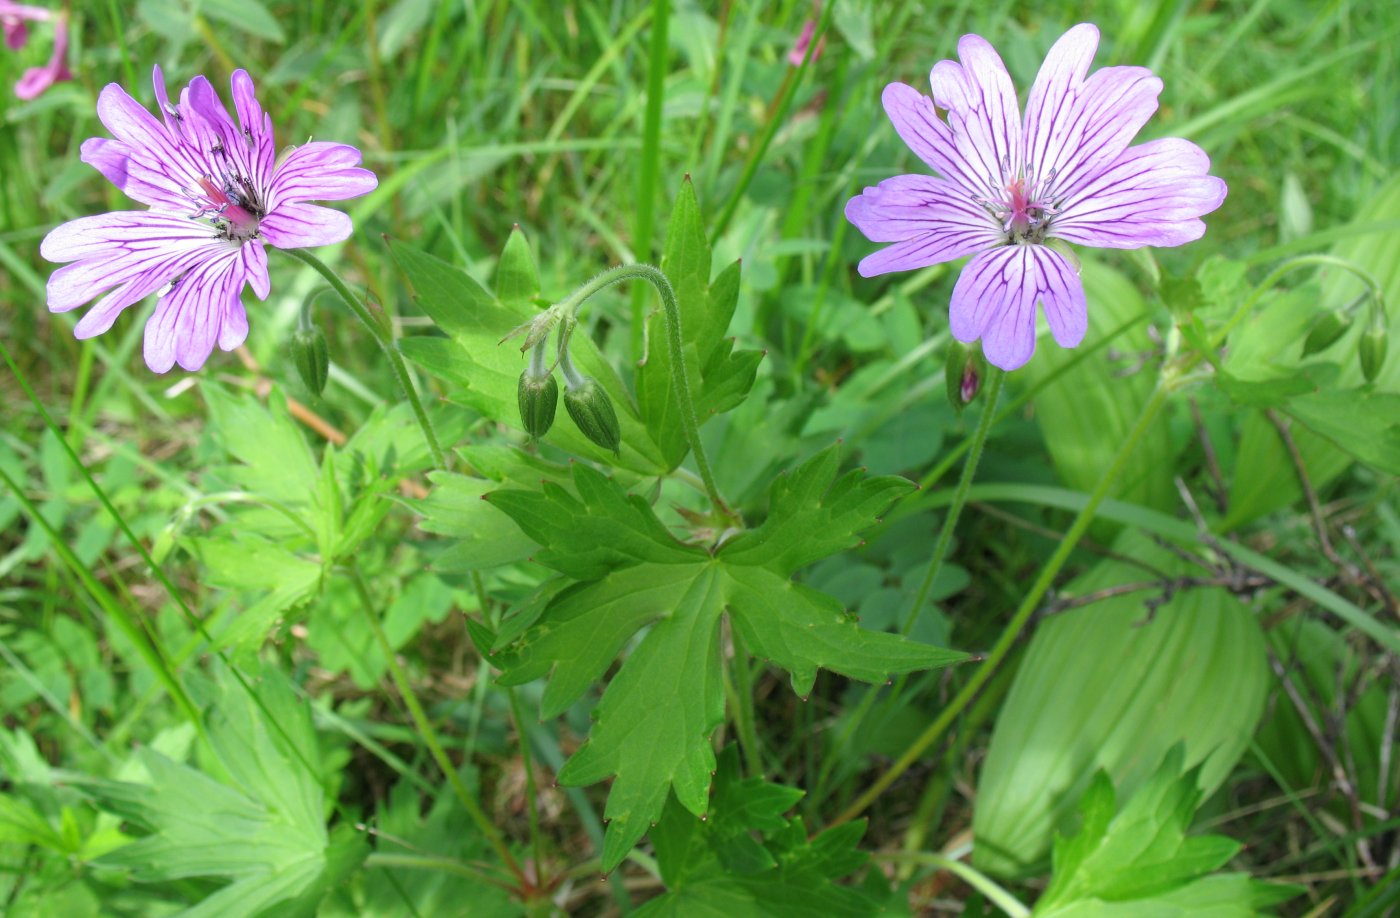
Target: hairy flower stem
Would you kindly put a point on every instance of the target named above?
(950, 521)
(385, 340)
(429, 733)
(1023, 613)
(680, 383)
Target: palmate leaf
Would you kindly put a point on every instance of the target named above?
(261, 825)
(1139, 860)
(747, 858)
(653, 724)
(719, 377)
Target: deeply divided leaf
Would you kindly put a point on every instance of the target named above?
(654, 722)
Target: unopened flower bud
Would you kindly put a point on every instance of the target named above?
(588, 404)
(1326, 330)
(539, 398)
(1371, 350)
(311, 357)
(963, 372)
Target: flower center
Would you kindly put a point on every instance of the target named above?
(1023, 210)
(232, 206)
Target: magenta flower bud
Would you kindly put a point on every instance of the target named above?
(963, 372)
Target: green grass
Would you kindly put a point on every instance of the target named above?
(577, 122)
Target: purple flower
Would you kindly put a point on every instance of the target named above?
(37, 79)
(15, 19)
(217, 191)
(809, 28)
(1012, 193)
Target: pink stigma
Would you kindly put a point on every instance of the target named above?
(242, 223)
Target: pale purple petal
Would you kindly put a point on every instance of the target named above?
(320, 171)
(994, 299)
(188, 320)
(297, 226)
(1053, 128)
(255, 268)
(932, 220)
(996, 295)
(113, 249)
(234, 331)
(919, 126)
(1061, 296)
(1154, 194)
(982, 111)
(110, 157)
(159, 168)
(261, 153)
(1112, 107)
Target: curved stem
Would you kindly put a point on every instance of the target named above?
(950, 522)
(974, 878)
(385, 340)
(1293, 264)
(680, 382)
(1023, 613)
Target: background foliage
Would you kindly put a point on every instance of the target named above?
(241, 732)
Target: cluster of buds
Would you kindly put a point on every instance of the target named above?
(585, 399)
(1370, 347)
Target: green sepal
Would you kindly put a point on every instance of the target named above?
(592, 410)
(539, 399)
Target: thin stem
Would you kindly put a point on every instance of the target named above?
(532, 810)
(680, 382)
(743, 706)
(386, 344)
(429, 733)
(940, 552)
(1277, 274)
(950, 522)
(974, 878)
(1023, 613)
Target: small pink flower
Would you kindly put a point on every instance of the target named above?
(1006, 188)
(217, 194)
(38, 79)
(809, 28)
(15, 19)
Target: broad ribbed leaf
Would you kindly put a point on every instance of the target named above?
(1087, 413)
(1102, 687)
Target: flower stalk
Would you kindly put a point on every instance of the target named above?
(680, 382)
(384, 338)
(1029, 603)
